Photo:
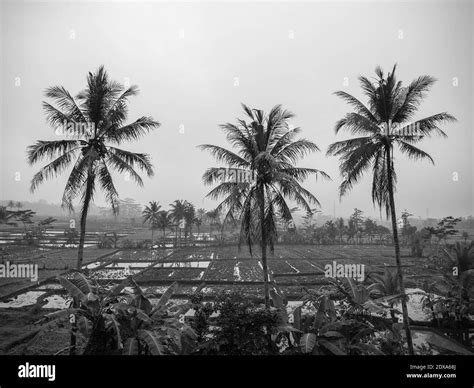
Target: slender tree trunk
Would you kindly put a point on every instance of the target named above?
(85, 209)
(80, 252)
(396, 243)
(264, 247)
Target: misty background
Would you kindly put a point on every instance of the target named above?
(196, 62)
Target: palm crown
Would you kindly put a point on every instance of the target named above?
(151, 214)
(383, 124)
(94, 121)
(266, 146)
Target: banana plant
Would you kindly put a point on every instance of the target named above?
(156, 329)
(330, 333)
(343, 322)
(120, 321)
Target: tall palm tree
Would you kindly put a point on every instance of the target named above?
(95, 123)
(382, 125)
(151, 215)
(267, 150)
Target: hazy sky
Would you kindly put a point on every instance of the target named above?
(187, 57)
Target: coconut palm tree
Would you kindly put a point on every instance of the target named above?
(381, 126)
(189, 218)
(151, 215)
(177, 213)
(267, 151)
(200, 214)
(93, 124)
(164, 221)
(214, 217)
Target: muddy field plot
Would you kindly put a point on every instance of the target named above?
(337, 252)
(220, 270)
(248, 271)
(171, 274)
(293, 266)
(142, 254)
(303, 280)
(196, 254)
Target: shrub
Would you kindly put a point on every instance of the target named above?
(234, 325)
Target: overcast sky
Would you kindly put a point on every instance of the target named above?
(187, 59)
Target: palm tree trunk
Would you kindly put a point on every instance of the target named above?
(264, 247)
(396, 243)
(85, 209)
(80, 252)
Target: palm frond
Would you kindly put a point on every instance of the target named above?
(132, 160)
(130, 132)
(50, 149)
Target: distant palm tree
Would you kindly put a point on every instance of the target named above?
(94, 122)
(383, 125)
(177, 213)
(200, 214)
(189, 218)
(151, 216)
(164, 221)
(267, 150)
(213, 216)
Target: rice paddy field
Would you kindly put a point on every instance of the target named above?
(294, 268)
(214, 269)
